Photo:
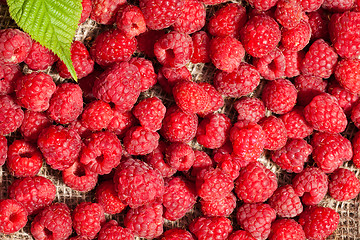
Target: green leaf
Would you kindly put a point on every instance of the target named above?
(50, 22)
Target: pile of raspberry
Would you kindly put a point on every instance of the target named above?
(152, 145)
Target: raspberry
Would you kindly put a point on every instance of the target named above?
(34, 193)
(53, 222)
(86, 10)
(147, 40)
(330, 150)
(147, 73)
(347, 100)
(295, 123)
(121, 122)
(216, 100)
(293, 62)
(66, 104)
(217, 228)
(112, 231)
(140, 141)
(3, 150)
(87, 219)
(293, 155)
(311, 5)
(179, 198)
(174, 49)
(295, 39)
(249, 109)
(112, 46)
(11, 115)
(319, 222)
(226, 53)
(343, 185)
(319, 22)
(320, 60)
(137, 183)
(356, 147)
(40, 57)
(202, 161)
(79, 178)
(15, 46)
(104, 11)
(275, 132)
(228, 21)
(285, 202)
(179, 156)
(286, 229)
(240, 235)
(32, 125)
(107, 198)
(175, 234)
(130, 20)
(201, 45)
(308, 87)
(192, 17)
(288, 13)
(219, 208)
(96, 115)
(239, 82)
(325, 114)
(256, 218)
(8, 74)
(150, 112)
(168, 77)
(13, 216)
(347, 73)
(338, 6)
(262, 5)
(179, 126)
(24, 159)
(120, 85)
(101, 153)
(33, 91)
(272, 65)
(260, 35)
(279, 96)
(311, 184)
(81, 60)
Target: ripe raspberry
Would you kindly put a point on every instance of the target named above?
(121, 122)
(53, 222)
(216, 100)
(338, 6)
(319, 22)
(130, 20)
(293, 61)
(179, 198)
(40, 57)
(343, 185)
(176, 233)
(150, 112)
(112, 231)
(112, 46)
(256, 218)
(202, 161)
(192, 17)
(295, 123)
(168, 77)
(293, 155)
(137, 183)
(179, 126)
(96, 115)
(217, 228)
(107, 198)
(228, 20)
(279, 96)
(347, 100)
(275, 132)
(260, 35)
(104, 11)
(219, 208)
(3, 150)
(32, 125)
(240, 235)
(147, 73)
(87, 219)
(249, 109)
(226, 53)
(288, 13)
(147, 40)
(330, 150)
(320, 60)
(8, 75)
(311, 184)
(319, 222)
(201, 45)
(286, 229)
(34, 90)
(239, 82)
(13, 216)
(15, 46)
(140, 141)
(262, 5)
(285, 202)
(11, 115)
(347, 73)
(308, 87)
(79, 178)
(179, 156)
(295, 39)
(271, 66)
(325, 114)
(311, 5)
(86, 10)
(34, 193)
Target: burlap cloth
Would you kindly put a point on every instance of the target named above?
(348, 228)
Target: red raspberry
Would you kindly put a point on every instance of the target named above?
(34, 193)
(288, 13)
(96, 115)
(275, 132)
(24, 159)
(271, 66)
(86, 10)
(11, 115)
(216, 100)
(179, 156)
(15, 46)
(228, 20)
(121, 122)
(147, 73)
(53, 222)
(137, 183)
(150, 112)
(293, 61)
(13, 216)
(34, 90)
(104, 11)
(311, 184)
(308, 87)
(343, 185)
(79, 178)
(112, 46)
(285, 202)
(202, 161)
(147, 40)
(295, 39)
(66, 104)
(279, 96)
(217, 228)
(107, 197)
(347, 100)
(286, 229)
(319, 222)
(260, 35)
(295, 123)
(249, 109)
(140, 141)
(201, 45)
(240, 82)
(347, 73)
(176, 233)
(338, 6)
(40, 57)
(179, 198)
(179, 126)
(311, 5)
(168, 77)
(256, 219)
(320, 60)
(112, 231)
(293, 155)
(192, 17)
(240, 235)
(325, 114)
(101, 153)
(120, 85)
(262, 5)
(87, 219)
(219, 208)
(226, 53)
(319, 22)
(356, 148)
(130, 20)
(3, 150)
(8, 74)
